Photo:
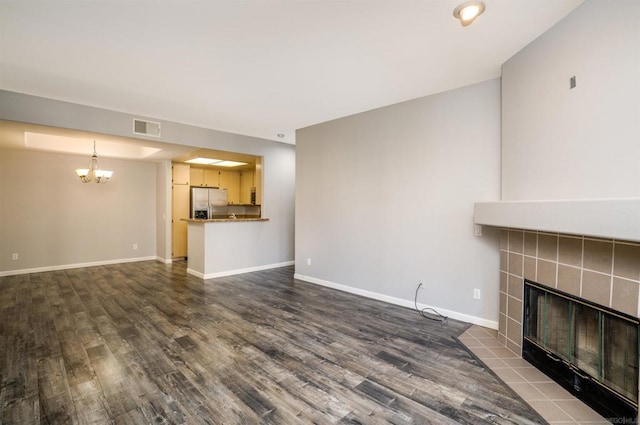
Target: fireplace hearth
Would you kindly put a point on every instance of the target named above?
(589, 349)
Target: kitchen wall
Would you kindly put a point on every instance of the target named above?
(275, 245)
(562, 143)
(384, 200)
(49, 218)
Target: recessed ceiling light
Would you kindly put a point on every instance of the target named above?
(229, 164)
(203, 161)
(280, 135)
(216, 162)
(468, 11)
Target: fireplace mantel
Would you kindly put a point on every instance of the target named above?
(604, 218)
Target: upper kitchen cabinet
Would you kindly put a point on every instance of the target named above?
(257, 182)
(230, 180)
(197, 176)
(247, 183)
(212, 178)
(180, 173)
(251, 186)
(204, 178)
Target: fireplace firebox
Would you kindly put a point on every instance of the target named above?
(590, 350)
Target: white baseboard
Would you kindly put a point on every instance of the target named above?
(239, 271)
(165, 260)
(75, 266)
(399, 301)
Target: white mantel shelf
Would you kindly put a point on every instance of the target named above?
(604, 218)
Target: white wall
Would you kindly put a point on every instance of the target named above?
(581, 143)
(50, 218)
(384, 199)
(276, 244)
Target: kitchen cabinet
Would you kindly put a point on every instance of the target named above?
(230, 180)
(247, 181)
(251, 180)
(212, 178)
(180, 178)
(179, 210)
(180, 173)
(257, 181)
(197, 177)
(204, 178)
(234, 187)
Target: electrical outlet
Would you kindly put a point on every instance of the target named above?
(477, 230)
(14, 256)
(308, 261)
(476, 294)
(135, 246)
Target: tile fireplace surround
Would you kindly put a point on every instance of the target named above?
(601, 270)
(604, 271)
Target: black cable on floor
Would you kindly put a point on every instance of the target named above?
(440, 318)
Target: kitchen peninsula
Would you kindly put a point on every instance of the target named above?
(223, 246)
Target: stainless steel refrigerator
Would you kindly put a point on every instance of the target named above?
(208, 203)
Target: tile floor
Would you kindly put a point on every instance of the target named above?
(551, 401)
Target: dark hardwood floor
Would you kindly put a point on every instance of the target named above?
(143, 343)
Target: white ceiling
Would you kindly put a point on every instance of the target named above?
(257, 67)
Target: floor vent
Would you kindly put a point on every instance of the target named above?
(146, 128)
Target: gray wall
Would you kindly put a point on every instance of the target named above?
(384, 199)
(50, 218)
(163, 205)
(277, 238)
(561, 143)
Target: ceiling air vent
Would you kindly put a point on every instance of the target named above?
(146, 128)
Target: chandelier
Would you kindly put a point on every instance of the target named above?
(94, 173)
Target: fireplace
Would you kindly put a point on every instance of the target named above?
(600, 273)
(589, 349)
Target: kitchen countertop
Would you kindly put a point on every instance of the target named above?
(221, 220)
